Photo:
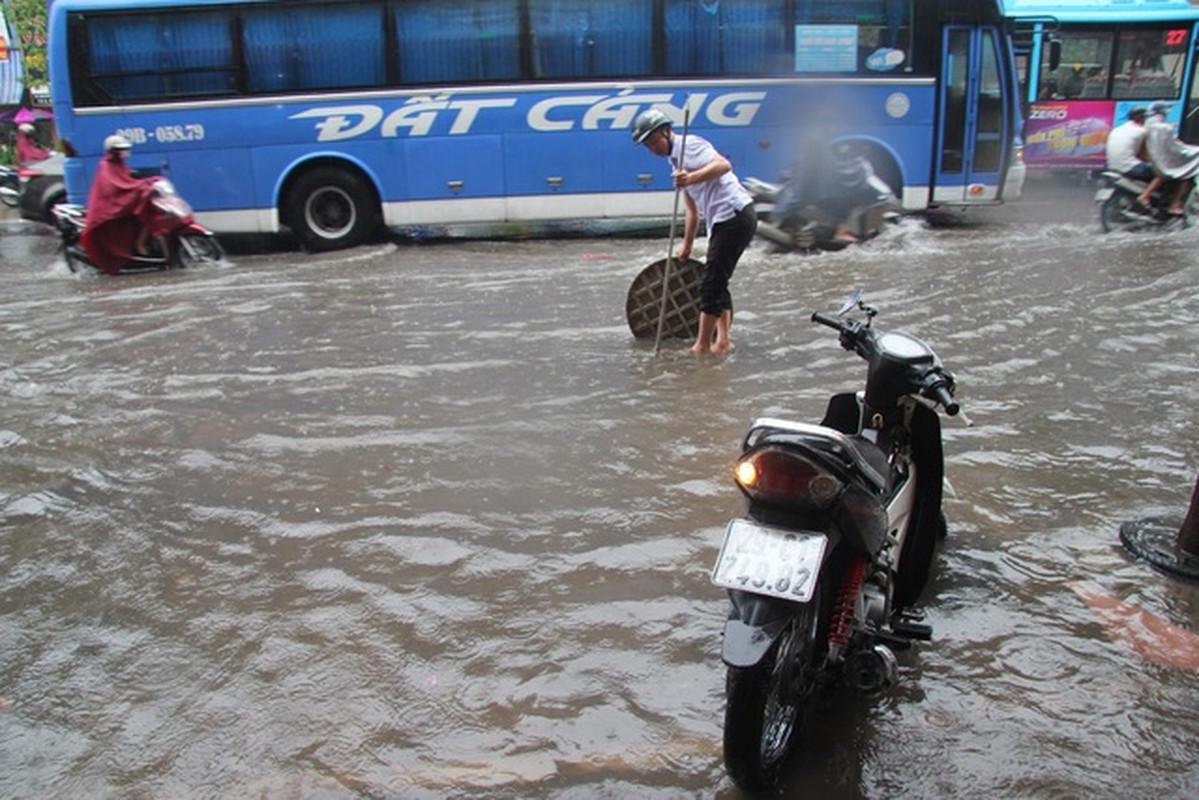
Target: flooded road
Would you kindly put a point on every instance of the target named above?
(424, 521)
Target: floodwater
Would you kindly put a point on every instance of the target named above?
(424, 521)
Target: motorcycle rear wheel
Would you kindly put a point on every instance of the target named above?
(1115, 213)
(768, 704)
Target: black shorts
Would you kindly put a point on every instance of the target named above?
(729, 240)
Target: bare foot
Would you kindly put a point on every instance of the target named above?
(699, 348)
(723, 348)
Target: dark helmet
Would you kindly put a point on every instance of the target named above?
(1138, 113)
(646, 123)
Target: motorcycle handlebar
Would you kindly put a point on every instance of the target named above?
(853, 338)
(941, 395)
(825, 319)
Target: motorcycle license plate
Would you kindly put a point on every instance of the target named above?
(1103, 194)
(772, 561)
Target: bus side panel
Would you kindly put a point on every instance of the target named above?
(444, 168)
(555, 163)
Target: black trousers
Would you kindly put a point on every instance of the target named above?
(728, 241)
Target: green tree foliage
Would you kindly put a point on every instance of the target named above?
(28, 17)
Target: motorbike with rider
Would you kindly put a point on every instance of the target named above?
(1150, 174)
(831, 198)
(131, 221)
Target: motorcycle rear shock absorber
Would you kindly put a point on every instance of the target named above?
(841, 623)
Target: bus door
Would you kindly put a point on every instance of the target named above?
(975, 124)
(1188, 129)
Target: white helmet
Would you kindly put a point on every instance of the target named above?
(26, 127)
(117, 142)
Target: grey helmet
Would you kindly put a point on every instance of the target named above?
(646, 123)
(116, 142)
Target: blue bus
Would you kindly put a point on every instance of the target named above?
(1084, 65)
(332, 117)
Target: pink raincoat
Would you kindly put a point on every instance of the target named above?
(117, 206)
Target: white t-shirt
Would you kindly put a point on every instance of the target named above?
(718, 200)
(1124, 146)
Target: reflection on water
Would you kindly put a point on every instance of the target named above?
(424, 521)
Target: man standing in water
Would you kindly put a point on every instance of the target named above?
(713, 192)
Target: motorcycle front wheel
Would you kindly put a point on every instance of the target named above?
(768, 703)
(70, 258)
(195, 250)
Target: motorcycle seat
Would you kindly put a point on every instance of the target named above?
(1123, 181)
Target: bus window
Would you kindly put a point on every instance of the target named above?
(1083, 72)
(470, 41)
(989, 144)
(584, 39)
(1149, 63)
(881, 32)
(956, 83)
(303, 48)
(145, 57)
(726, 38)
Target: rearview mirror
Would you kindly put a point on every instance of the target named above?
(1055, 54)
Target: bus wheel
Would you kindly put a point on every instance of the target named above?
(331, 209)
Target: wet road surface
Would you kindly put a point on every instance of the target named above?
(424, 521)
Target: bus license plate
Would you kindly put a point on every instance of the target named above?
(773, 561)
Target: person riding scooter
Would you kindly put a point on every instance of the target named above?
(28, 150)
(1172, 158)
(120, 216)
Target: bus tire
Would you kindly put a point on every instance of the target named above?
(332, 209)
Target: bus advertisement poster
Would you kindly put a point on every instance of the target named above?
(1067, 135)
(826, 48)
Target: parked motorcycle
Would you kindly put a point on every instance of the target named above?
(185, 242)
(10, 186)
(838, 543)
(814, 212)
(1121, 210)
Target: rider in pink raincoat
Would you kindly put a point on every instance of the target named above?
(120, 217)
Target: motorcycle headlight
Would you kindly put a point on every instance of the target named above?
(783, 477)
